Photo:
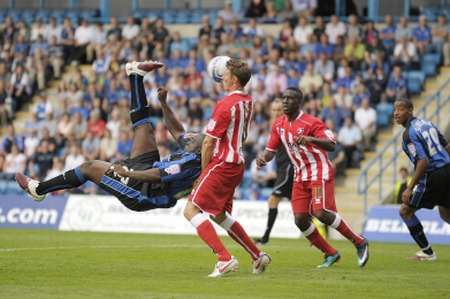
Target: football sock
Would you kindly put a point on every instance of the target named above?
(238, 234)
(341, 226)
(416, 230)
(139, 107)
(272, 215)
(206, 231)
(312, 234)
(70, 179)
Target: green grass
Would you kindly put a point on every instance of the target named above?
(51, 264)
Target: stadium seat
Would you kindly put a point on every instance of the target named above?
(415, 81)
(430, 63)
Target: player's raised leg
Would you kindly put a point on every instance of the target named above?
(144, 137)
(88, 171)
(416, 231)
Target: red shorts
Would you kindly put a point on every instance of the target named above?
(215, 190)
(310, 197)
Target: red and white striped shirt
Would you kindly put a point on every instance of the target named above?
(229, 124)
(311, 162)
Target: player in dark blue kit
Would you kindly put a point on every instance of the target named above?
(142, 182)
(429, 151)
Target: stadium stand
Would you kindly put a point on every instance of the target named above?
(346, 68)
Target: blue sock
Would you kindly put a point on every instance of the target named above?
(416, 230)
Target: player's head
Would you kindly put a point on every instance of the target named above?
(292, 100)
(276, 108)
(236, 76)
(403, 111)
(193, 142)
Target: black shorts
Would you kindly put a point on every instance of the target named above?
(283, 184)
(137, 195)
(436, 191)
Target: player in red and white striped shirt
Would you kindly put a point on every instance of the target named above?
(223, 170)
(307, 141)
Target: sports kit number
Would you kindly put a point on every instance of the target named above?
(432, 140)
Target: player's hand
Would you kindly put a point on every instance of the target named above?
(195, 184)
(162, 94)
(120, 170)
(406, 195)
(260, 162)
(303, 140)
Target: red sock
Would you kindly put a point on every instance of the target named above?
(238, 234)
(206, 231)
(312, 234)
(342, 227)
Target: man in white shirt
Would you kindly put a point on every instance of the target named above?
(302, 31)
(350, 136)
(334, 29)
(130, 30)
(405, 51)
(83, 36)
(74, 159)
(366, 118)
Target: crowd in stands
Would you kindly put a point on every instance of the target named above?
(351, 72)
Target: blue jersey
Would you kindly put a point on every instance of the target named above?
(179, 172)
(422, 140)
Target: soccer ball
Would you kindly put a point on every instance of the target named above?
(217, 66)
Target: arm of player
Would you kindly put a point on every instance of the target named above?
(262, 160)
(325, 144)
(172, 123)
(419, 172)
(208, 145)
(151, 175)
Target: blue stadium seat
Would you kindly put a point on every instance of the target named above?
(430, 63)
(415, 81)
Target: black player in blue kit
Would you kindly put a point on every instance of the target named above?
(142, 182)
(429, 151)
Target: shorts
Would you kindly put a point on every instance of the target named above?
(215, 190)
(283, 184)
(134, 194)
(432, 190)
(310, 197)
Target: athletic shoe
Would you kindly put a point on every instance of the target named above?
(223, 268)
(142, 68)
(29, 186)
(261, 241)
(330, 260)
(363, 253)
(422, 256)
(260, 264)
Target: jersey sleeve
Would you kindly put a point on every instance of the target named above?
(321, 131)
(186, 167)
(274, 139)
(442, 139)
(219, 122)
(417, 145)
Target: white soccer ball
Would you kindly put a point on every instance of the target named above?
(217, 67)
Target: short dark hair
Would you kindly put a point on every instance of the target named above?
(239, 69)
(407, 102)
(299, 93)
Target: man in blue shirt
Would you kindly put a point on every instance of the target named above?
(142, 182)
(422, 35)
(429, 151)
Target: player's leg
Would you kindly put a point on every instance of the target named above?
(272, 202)
(324, 209)
(444, 213)
(301, 201)
(88, 171)
(144, 136)
(416, 231)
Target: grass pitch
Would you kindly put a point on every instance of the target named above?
(51, 264)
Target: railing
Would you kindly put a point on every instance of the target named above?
(394, 145)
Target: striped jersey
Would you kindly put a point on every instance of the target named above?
(229, 124)
(311, 162)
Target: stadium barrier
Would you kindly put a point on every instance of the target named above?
(385, 225)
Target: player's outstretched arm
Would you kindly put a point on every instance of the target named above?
(151, 175)
(173, 125)
(262, 160)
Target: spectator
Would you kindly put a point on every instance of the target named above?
(252, 29)
(350, 136)
(343, 98)
(124, 145)
(42, 160)
(334, 114)
(422, 35)
(108, 146)
(227, 13)
(387, 34)
(401, 184)
(402, 29)
(304, 7)
(334, 29)
(440, 32)
(354, 30)
(302, 31)
(310, 82)
(256, 9)
(366, 119)
(15, 161)
(205, 28)
(396, 87)
(324, 67)
(276, 81)
(12, 139)
(405, 53)
(90, 146)
(57, 168)
(130, 30)
(83, 35)
(74, 158)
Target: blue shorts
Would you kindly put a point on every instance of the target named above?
(137, 195)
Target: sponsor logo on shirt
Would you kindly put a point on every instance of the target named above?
(173, 169)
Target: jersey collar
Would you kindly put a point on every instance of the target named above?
(236, 91)
(408, 124)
